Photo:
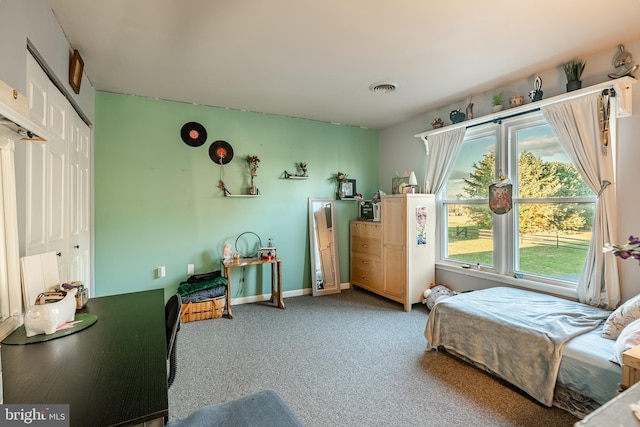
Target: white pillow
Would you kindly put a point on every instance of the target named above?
(621, 317)
(629, 338)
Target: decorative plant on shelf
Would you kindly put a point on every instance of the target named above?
(573, 70)
(252, 162)
(496, 101)
(302, 168)
(338, 178)
(631, 249)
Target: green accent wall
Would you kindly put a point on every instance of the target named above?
(157, 201)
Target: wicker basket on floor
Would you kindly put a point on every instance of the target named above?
(202, 310)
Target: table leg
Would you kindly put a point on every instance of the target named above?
(227, 274)
(273, 282)
(280, 301)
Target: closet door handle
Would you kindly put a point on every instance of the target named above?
(77, 246)
(59, 253)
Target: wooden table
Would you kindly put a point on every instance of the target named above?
(112, 373)
(276, 282)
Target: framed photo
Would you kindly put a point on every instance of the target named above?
(398, 184)
(348, 187)
(75, 71)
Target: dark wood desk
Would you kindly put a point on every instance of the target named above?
(276, 282)
(112, 373)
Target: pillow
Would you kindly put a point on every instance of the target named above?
(621, 317)
(629, 338)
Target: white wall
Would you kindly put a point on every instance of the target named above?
(400, 151)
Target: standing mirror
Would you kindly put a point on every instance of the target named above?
(323, 238)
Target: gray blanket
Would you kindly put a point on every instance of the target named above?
(517, 335)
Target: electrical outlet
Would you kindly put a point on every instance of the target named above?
(190, 269)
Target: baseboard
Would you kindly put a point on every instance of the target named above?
(285, 294)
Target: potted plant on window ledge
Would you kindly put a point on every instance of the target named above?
(496, 101)
(573, 70)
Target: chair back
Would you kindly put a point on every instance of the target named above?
(172, 319)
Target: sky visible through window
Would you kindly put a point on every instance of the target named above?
(538, 140)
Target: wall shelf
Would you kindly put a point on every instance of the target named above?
(296, 177)
(242, 195)
(622, 86)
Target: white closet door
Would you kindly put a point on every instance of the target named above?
(57, 181)
(80, 207)
(37, 92)
(35, 188)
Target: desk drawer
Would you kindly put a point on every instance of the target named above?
(366, 246)
(366, 262)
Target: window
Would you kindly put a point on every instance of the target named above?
(545, 236)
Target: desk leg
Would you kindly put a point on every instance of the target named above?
(280, 301)
(273, 282)
(227, 274)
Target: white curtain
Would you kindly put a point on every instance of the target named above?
(442, 149)
(576, 123)
(10, 289)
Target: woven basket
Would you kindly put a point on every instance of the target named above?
(208, 309)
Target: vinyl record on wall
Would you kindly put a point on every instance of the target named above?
(193, 134)
(221, 152)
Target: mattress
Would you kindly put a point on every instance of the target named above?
(585, 366)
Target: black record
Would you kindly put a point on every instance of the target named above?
(193, 134)
(221, 152)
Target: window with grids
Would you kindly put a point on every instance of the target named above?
(545, 235)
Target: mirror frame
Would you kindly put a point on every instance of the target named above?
(314, 250)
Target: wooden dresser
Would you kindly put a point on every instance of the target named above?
(366, 256)
(395, 258)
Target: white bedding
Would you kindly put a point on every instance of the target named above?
(585, 366)
(517, 335)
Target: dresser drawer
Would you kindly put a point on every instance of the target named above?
(366, 278)
(366, 230)
(366, 262)
(366, 246)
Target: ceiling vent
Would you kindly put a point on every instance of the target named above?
(383, 87)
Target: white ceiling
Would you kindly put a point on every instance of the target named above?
(317, 59)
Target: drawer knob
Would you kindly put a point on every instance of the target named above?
(365, 262)
(365, 246)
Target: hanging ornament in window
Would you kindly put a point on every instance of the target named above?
(500, 201)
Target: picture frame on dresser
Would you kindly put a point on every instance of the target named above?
(365, 210)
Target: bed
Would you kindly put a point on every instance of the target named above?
(549, 347)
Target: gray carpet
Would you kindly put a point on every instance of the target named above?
(350, 359)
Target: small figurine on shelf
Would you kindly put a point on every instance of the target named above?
(536, 93)
(224, 188)
(457, 116)
(252, 162)
(437, 123)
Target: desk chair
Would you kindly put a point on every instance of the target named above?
(172, 319)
